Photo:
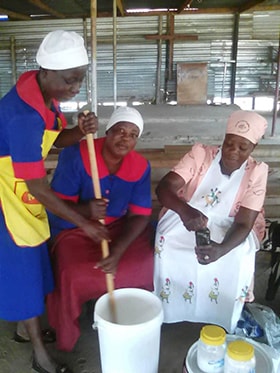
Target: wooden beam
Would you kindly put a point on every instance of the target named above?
(120, 7)
(172, 37)
(276, 98)
(159, 61)
(171, 29)
(164, 13)
(185, 4)
(210, 11)
(250, 4)
(14, 15)
(264, 8)
(46, 8)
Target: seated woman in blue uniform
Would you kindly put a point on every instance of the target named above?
(126, 207)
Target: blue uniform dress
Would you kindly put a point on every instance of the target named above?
(27, 131)
(127, 190)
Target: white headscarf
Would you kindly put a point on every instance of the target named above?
(126, 114)
(62, 50)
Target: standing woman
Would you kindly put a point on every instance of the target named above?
(30, 123)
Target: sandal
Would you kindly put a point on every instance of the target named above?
(60, 368)
(48, 336)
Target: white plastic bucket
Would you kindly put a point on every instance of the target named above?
(132, 344)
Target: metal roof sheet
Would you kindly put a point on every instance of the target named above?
(42, 9)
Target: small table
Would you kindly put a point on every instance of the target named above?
(260, 94)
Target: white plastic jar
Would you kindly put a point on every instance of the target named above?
(211, 349)
(240, 357)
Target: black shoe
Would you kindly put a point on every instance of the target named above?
(59, 368)
(48, 336)
(20, 339)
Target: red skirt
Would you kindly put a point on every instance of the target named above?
(74, 256)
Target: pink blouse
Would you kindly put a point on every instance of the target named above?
(251, 194)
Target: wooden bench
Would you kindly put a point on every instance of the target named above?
(163, 159)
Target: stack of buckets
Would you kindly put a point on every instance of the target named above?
(132, 343)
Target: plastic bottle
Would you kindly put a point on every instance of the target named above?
(211, 349)
(240, 357)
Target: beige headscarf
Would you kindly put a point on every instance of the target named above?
(247, 124)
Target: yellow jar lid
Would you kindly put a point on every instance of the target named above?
(213, 335)
(240, 350)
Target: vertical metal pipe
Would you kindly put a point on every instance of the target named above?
(13, 59)
(171, 47)
(159, 57)
(224, 80)
(115, 51)
(87, 80)
(93, 16)
(276, 97)
(167, 59)
(234, 56)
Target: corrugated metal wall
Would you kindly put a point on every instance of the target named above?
(27, 36)
(137, 57)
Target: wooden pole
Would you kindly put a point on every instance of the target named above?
(93, 16)
(92, 155)
(159, 57)
(87, 74)
(115, 51)
(276, 98)
(13, 60)
(104, 243)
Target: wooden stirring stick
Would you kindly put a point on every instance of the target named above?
(104, 243)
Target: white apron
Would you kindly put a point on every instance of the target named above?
(212, 293)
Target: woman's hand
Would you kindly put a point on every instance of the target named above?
(88, 123)
(98, 208)
(209, 253)
(192, 218)
(236, 234)
(96, 230)
(133, 227)
(109, 264)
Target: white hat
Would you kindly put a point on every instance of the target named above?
(62, 50)
(247, 124)
(126, 114)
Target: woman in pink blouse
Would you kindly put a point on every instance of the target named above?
(223, 189)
